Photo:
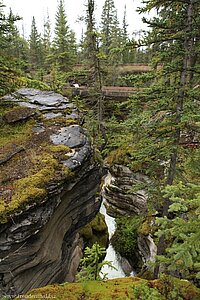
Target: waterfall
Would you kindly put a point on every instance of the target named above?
(122, 266)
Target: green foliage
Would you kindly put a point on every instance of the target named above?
(32, 83)
(96, 231)
(12, 53)
(64, 43)
(118, 289)
(124, 239)
(35, 48)
(144, 292)
(182, 256)
(15, 134)
(92, 262)
(111, 34)
(46, 44)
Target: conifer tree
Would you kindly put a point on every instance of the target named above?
(35, 45)
(73, 47)
(46, 43)
(17, 46)
(182, 255)
(92, 263)
(125, 26)
(12, 52)
(127, 51)
(63, 49)
(93, 55)
(168, 110)
(92, 48)
(111, 34)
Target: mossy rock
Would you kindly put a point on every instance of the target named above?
(45, 169)
(18, 114)
(146, 226)
(29, 162)
(119, 289)
(96, 231)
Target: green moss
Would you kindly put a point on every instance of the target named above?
(174, 288)
(62, 121)
(59, 148)
(86, 232)
(124, 239)
(45, 168)
(16, 134)
(118, 289)
(98, 223)
(94, 290)
(119, 156)
(96, 231)
(5, 106)
(146, 227)
(98, 157)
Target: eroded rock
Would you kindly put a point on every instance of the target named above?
(120, 197)
(48, 192)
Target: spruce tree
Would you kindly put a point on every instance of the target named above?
(111, 34)
(17, 46)
(125, 26)
(168, 109)
(46, 43)
(92, 263)
(12, 52)
(127, 51)
(35, 48)
(63, 50)
(182, 255)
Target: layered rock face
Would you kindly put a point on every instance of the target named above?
(48, 190)
(124, 196)
(120, 198)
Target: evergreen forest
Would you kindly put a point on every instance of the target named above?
(139, 99)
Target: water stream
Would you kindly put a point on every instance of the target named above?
(122, 266)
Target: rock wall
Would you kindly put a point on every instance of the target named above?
(120, 198)
(124, 196)
(38, 239)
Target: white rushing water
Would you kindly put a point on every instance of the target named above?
(118, 262)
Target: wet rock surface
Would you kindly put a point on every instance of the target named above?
(120, 198)
(38, 241)
(147, 248)
(72, 136)
(123, 198)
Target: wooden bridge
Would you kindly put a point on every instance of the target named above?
(121, 69)
(109, 92)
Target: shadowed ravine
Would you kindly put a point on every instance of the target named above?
(122, 266)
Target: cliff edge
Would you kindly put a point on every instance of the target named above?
(49, 180)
